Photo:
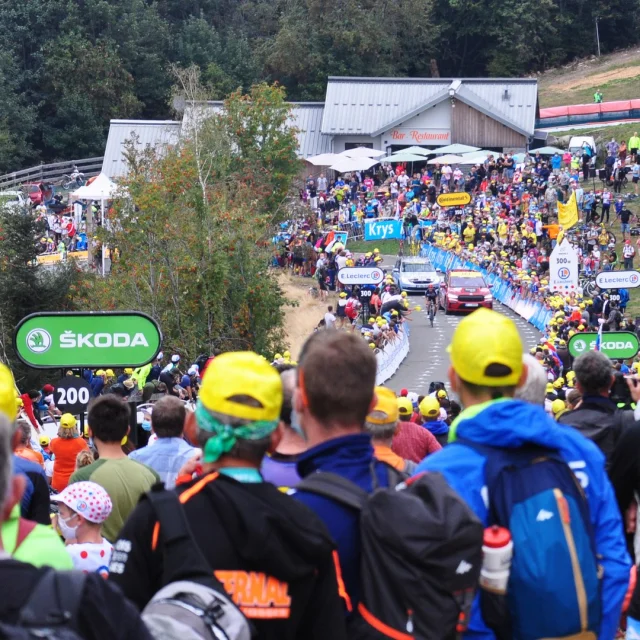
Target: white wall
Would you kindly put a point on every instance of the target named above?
(339, 142)
(431, 127)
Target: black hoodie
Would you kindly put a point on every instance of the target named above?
(272, 554)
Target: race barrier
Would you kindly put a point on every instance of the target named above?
(531, 310)
(390, 358)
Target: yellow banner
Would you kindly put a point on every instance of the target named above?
(568, 213)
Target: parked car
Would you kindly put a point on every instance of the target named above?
(39, 192)
(13, 199)
(465, 290)
(415, 274)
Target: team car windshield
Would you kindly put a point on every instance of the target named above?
(417, 267)
(467, 282)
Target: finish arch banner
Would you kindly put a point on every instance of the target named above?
(99, 339)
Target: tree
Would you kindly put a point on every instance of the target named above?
(28, 287)
(194, 233)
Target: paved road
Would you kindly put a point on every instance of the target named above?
(428, 359)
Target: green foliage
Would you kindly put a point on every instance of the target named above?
(26, 286)
(68, 66)
(194, 235)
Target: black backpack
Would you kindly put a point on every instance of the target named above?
(52, 609)
(192, 603)
(421, 555)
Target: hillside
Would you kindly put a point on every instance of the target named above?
(617, 75)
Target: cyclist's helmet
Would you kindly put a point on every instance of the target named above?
(430, 286)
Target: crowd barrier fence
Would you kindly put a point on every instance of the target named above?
(533, 311)
(390, 358)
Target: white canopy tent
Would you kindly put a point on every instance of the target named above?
(353, 164)
(448, 159)
(456, 148)
(362, 152)
(103, 189)
(325, 159)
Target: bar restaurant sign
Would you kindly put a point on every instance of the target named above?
(421, 136)
(97, 339)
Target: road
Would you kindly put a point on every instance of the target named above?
(428, 359)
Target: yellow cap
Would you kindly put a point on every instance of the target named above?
(101, 372)
(405, 408)
(483, 339)
(550, 388)
(67, 421)
(404, 294)
(278, 356)
(429, 407)
(44, 441)
(343, 294)
(128, 370)
(372, 345)
(110, 374)
(441, 393)
(558, 383)
(8, 403)
(417, 308)
(386, 407)
(286, 354)
(242, 373)
(557, 406)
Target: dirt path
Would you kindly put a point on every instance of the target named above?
(595, 79)
(301, 320)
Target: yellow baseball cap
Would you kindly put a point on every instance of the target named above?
(429, 407)
(67, 421)
(405, 408)
(242, 373)
(441, 393)
(482, 340)
(550, 388)
(8, 400)
(101, 372)
(128, 370)
(386, 409)
(110, 373)
(44, 441)
(557, 406)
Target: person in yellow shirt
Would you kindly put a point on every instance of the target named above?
(503, 231)
(469, 233)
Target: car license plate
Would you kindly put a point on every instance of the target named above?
(472, 305)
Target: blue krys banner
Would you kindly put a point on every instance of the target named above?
(383, 229)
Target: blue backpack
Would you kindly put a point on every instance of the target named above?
(554, 583)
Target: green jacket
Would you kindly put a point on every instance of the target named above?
(634, 142)
(42, 547)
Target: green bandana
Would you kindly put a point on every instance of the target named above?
(225, 436)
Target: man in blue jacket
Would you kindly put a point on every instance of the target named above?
(334, 395)
(486, 368)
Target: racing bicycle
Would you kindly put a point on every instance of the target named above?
(431, 311)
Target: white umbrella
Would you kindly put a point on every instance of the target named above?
(362, 152)
(403, 156)
(353, 164)
(324, 159)
(456, 148)
(474, 158)
(448, 159)
(419, 151)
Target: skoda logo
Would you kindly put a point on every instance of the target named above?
(38, 340)
(579, 346)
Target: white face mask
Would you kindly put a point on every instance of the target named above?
(68, 533)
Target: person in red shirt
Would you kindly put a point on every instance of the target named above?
(29, 399)
(411, 441)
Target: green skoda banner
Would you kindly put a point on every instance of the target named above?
(100, 339)
(617, 345)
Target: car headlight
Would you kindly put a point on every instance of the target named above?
(453, 296)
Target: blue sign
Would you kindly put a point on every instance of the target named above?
(382, 229)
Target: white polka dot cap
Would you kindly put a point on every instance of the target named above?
(88, 499)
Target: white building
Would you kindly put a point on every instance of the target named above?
(382, 113)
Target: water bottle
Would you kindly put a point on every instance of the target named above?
(497, 552)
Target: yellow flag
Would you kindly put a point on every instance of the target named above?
(568, 213)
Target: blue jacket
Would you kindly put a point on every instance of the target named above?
(351, 457)
(509, 424)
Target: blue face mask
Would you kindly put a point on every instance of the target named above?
(146, 425)
(296, 426)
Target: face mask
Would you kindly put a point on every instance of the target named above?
(146, 426)
(295, 424)
(68, 533)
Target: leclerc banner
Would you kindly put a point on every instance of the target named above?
(100, 339)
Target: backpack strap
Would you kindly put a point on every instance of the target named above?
(335, 487)
(182, 557)
(55, 600)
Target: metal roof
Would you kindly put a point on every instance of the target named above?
(370, 106)
(150, 133)
(305, 116)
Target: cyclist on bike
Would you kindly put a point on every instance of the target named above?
(431, 297)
